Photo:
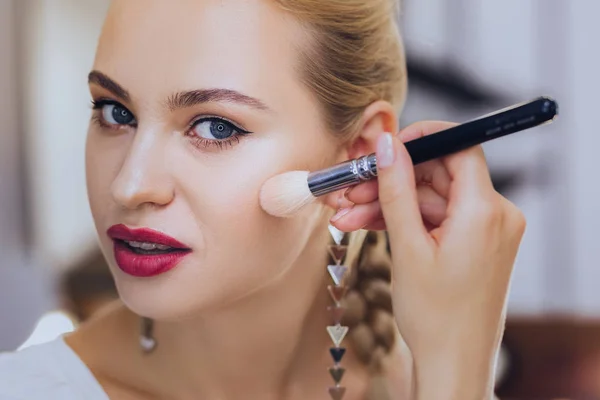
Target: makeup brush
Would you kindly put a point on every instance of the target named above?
(285, 194)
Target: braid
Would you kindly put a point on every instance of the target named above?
(369, 313)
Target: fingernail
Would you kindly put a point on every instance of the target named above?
(385, 151)
(340, 214)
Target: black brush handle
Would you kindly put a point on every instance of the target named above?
(492, 126)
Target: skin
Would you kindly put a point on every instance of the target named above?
(244, 313)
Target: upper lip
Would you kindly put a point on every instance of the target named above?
(122, 232)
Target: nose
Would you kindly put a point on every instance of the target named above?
(143, 178)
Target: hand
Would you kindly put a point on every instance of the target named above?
(453, 240)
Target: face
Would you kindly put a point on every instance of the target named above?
(197, 104)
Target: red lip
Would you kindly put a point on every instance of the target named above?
(145, 265)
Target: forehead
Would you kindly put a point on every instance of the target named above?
(248, 45)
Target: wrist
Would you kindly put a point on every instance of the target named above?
(453, 378)
(458, 364)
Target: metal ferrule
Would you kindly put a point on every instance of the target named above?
(342, 175)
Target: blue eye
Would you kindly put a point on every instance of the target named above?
(117, 115)
(215, 129)
(113, 113)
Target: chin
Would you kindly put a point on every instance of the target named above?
(181, 293)
(164, 302)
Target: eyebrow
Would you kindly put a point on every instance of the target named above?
(194, 97)
(182, 99)
(104, 81)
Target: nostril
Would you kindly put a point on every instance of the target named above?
(128, 189)
(138, 191)
(126, 197)
(142, 179)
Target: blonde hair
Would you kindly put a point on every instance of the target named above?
(355, 57)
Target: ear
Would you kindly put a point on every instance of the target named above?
(378, 118)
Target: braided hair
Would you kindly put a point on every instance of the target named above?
(369, 315)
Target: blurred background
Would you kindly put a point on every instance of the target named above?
(466, 58)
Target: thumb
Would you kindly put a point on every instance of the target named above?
(398, 194)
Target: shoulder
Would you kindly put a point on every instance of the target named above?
(50, 371)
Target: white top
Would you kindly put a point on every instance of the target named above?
(49, 371)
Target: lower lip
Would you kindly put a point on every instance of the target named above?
(144, 265)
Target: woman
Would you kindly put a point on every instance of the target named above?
(196, 104)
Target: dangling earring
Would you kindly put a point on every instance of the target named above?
(338, 290)
(147, 341)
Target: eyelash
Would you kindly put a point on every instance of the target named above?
(199, 141)
(97, 106)
(196, 140)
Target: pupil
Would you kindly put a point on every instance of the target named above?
(221, 130)
(122, 116)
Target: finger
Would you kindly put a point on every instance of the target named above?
(364, 193)
(433, 207)
(468, 171)
(356, 217)
(472, 159)
(465, 180)
(378, 225)
(434, 174)
(473, 207)
(343, 202)
(398, 196)
(433, 216)
(431, 197)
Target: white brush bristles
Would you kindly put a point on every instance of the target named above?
(285, 194)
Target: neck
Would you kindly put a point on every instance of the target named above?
(268, 343)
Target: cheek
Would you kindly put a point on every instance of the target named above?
(227, 189)
(245, 247)
(225, 201)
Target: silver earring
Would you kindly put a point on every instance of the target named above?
(147, 341)
(338, 290)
